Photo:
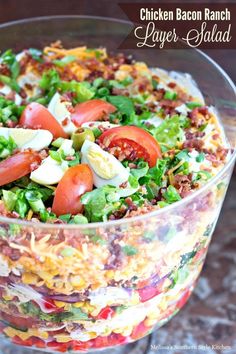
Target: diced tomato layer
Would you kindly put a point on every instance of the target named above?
(50, 306)
(140, 331)
(110, 341)
(32, 341)
(148, 292)
(59, 347)
(183, 299)
(200, 255)
(105, 313)
(80, 346)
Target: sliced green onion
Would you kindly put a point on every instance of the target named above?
(55, 155)
(200, 157)
(129, 250)
(68, 252)
(192, 105)
(65, 217)
(58, 142)
(170, 95)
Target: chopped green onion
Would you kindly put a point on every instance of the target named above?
(55, 155)
(129, 250)
(58, 142)
(65, 217)
(170, 95)
(64, 61)
(68, 252)
(171, 195)
(192, 105)
(200, 157)
(10, 82)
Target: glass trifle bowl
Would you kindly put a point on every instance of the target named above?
(73, 288)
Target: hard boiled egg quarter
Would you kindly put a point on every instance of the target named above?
(51, 171)
(28, 138)
(58, 107)
(106, 169)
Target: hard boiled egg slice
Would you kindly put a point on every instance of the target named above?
(58, 107)
(106, 169)
(67, 147)
(28, 138)
(49, 172)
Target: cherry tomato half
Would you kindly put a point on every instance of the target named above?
(36, 116)
(90, 111)
(135, 140)
(18, 165)
(76, 181)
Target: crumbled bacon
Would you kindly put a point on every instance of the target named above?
(183, 184)
(193, 135)
(171, 85)
(169, 106)
(10, 96)
(130, 203)
(23, 93)
(10, 124)
(198, 116)
(215, 136)
(216, 157)
(8, 251)
(120, 91)
(4, 70)
(65, 121)
(33, 166)
(28, 86)
(43, 154)
(159, 94)
(194, 144)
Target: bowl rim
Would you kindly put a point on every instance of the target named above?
(139, 218)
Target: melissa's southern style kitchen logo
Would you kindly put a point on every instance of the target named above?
(175, 25)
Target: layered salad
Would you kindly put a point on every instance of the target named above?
(89, 142)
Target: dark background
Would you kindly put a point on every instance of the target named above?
(210, 316)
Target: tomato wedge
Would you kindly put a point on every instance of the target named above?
(140, 143)
(90, 111)
(76, 181)
(17, 166)
(36, 116)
